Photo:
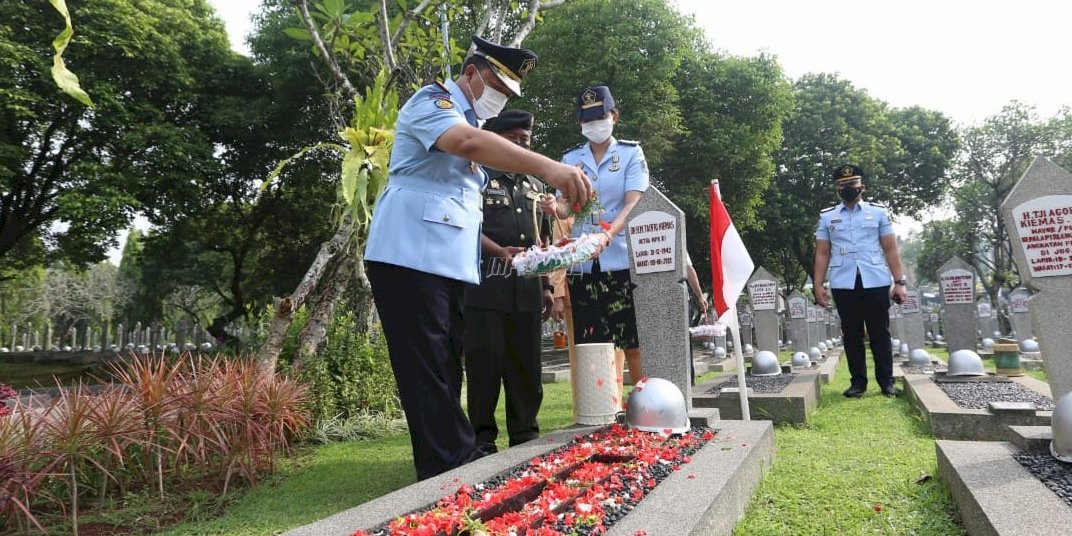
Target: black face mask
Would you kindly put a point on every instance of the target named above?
(849, 194)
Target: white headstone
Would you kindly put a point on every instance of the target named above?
(1038, 218)
(958, 301)
(656, 241)
(763, 292)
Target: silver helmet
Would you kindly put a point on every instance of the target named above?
(822, 346)
(815, 353)
(657, 405)
(765, 363)
(919, 358)
(965, 363)
(1029, 346)
(1061, 422)
(748, 349)
(904, 348)
(895, 344)
(719, 352)
(800, 359)
(987, 343)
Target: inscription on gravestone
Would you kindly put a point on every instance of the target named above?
(1038, 218)
(958, 318)
(656, 246)
(912, 323)
(798, 326)
(763, 291)
(1019, 314)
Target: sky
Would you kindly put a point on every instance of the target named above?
(966, 59)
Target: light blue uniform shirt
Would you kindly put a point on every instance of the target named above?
(854, 244)
(623, 169)
(429, 216)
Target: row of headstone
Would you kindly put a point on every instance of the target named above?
(26, 338)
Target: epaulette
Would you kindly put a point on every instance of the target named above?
(828, 209)
(879, 205)
(442, 86)
(630, 143)
(574, 148)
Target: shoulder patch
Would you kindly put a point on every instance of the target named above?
(439, 95)
(444, 104)
(630, 143)
(828, 209)
(574, 148)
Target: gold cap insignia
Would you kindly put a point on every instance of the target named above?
(527, 66)
(588, 98)
(846, 171)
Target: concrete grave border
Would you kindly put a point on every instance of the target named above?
(793, 405)
(947, 420)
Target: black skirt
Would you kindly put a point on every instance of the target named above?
(602, 304)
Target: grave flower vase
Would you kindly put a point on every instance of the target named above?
(598, 396)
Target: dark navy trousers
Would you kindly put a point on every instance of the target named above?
(422, 320)
(870, 307)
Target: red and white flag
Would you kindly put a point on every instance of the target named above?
(731, 266)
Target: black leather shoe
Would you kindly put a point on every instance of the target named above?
(890, 390)
(855, 392)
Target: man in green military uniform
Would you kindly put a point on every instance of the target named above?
(503, 314)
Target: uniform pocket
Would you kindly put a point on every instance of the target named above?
(451, 212)
(837, 261)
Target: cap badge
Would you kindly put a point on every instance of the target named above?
(846, 171)
(527, 66)
(588, 98)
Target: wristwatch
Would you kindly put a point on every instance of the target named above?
(901, 282)
(549, 287)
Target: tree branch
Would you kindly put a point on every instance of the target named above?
(407, 17)
(388, 46)
(329, 59)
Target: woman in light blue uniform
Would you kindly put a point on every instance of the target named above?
(601, 292)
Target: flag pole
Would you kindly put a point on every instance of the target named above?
(735, 325)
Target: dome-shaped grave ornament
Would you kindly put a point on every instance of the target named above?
(987, 343)
(895, 345)
(657, 405)
(800, 360)
(815, 353)
(719, 352)
(1029, 346)
(748, 349)
(965, 363)
(904, 348)
(822, 347)
(765, 363)
(1061, 423)
(919, 358)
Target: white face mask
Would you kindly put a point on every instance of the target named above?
(490, 103)
(598, 131)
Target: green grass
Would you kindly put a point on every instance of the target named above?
(853, 469)
(23, 375)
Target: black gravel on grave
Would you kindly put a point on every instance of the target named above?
(759, 384)
(978, 395)
(1054, 473)
(612, 514)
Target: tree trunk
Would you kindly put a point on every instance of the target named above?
(268, 354)
(361, 298)
(314, 334)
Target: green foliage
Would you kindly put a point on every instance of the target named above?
(147, 66)
(352, 376)
(635, 48)
(995, 156)
(904, 153)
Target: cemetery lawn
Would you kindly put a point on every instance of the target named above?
(861, 466)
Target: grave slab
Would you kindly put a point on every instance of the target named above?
(792, 405)
(995, 495)
(724, 474)
(948, 420)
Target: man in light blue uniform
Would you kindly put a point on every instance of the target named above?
(424, 240)
(855, 241)
(619, 172)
